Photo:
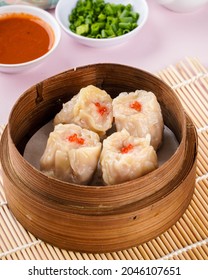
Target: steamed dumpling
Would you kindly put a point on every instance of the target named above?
(140, 114)
(125, 157)
(91, 108)
(71, 154)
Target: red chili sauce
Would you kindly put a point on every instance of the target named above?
(23, 37)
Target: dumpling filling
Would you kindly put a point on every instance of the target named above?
(91, 108)
(140, 114)
(125, 157)
(71, 154)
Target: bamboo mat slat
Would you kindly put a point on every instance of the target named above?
(187, 239)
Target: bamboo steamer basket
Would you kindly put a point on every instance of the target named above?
(96, 218)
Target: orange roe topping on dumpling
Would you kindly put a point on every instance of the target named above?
(136, 106)
(126, 149)
(76, 139)
(101, 109)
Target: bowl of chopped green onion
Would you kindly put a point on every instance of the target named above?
(101, 23)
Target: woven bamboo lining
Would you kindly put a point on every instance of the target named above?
(187, 239)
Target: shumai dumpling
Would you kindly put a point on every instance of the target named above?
(125, 157)
(71, 154)
(140, 114)
(91, 108)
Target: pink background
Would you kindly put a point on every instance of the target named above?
(166, 38)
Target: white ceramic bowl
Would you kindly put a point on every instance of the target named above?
(43, 15)
(44, 4)
(64, 8)
(182, 6)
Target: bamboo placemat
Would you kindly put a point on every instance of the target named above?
(187, 239)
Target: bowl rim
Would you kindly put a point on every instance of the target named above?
(100, 40)
(38, 12)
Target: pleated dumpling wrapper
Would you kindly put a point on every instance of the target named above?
(125, 157)
(140, 114)
(71, 154)
(91, 108)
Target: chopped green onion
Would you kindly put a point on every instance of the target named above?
(126, 19)
(125, 25)
(98, 19)
(82, 29)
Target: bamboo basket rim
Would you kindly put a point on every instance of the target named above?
(94, 187)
